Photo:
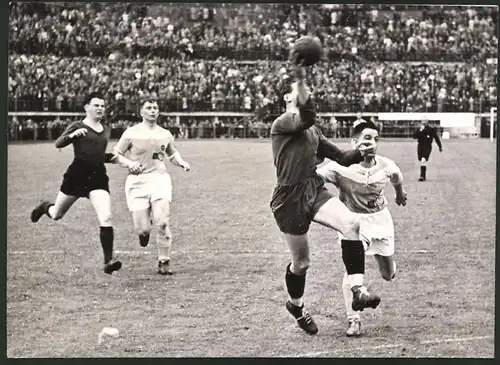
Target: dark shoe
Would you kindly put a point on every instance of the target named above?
(164, 268)
(144, 239)
(304, 319)
(40, 210)
(362, 298)
(112, 266)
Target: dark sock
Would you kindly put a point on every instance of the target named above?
(423, 171)
(353, 255)
(107, 237)
(295, 284)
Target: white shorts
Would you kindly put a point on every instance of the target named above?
(378, 230)
(142, 189)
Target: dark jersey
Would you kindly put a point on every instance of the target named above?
(297, 144)
(90, 148)
(425, 137)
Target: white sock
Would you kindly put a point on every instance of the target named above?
(52, 211)
(164, 244)
(356, 279)
(346, 290)
(297, 301)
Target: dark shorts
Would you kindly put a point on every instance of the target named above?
(423, 152)
(81, 178)
(294, 206)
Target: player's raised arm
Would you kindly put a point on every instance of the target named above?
(303, 92)
(175, 157)
(330, 150)
(290, 123)
(70, 133)
(300, 109)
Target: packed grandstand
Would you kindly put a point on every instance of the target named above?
(232, 57)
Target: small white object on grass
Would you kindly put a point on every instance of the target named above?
(107, 332)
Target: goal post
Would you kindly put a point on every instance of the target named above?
(493, 122)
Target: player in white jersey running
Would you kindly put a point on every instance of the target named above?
(361, 187)
(148, 188)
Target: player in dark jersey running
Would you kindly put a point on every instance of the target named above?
(425, 135)
(300, 197)
(86, 176)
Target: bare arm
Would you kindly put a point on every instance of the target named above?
(397, 182)
(303, 91)
(290, 123)
(175, 157)
(396, 178)
(121, 159)
(121, 149)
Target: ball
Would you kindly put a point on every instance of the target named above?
(308, 49)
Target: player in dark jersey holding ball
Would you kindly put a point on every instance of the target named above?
(425, 135)
(300, 197)
(86, 176)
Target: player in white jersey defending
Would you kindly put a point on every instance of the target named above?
(361, 187)
(148, 188)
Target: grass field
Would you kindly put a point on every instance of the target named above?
(227, 297)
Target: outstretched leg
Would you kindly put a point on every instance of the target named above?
(55, 210)
(334, 214)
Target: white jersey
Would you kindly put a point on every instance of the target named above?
(149, 146)
(361, 189)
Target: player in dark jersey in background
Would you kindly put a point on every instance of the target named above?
(300, 197)
(86, 176)
(424, 136)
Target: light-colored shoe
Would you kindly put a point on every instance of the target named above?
(354, 328)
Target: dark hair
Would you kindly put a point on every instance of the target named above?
(93, 95)
(147, 99)
(285, 88)
(364, 125)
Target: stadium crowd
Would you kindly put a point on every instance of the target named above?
(253, 31)
(230, 57)
(48, 82)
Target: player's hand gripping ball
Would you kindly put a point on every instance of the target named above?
(306, 51)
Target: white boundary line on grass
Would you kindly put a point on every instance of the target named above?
(433, 342)
(137, 252)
